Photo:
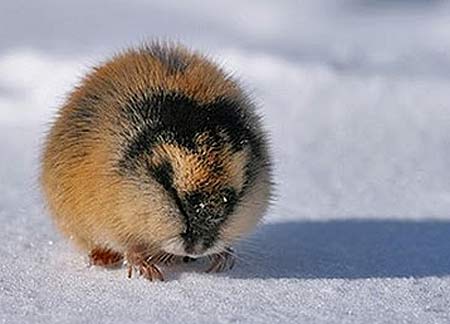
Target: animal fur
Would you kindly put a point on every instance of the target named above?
(145, 137)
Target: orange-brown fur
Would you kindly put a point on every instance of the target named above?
(194, 170)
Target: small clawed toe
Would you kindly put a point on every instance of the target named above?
(222, 261)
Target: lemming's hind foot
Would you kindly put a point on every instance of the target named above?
(104, 257)
(222, 261)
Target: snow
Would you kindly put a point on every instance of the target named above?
(356, 97)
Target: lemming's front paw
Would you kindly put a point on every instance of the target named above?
(222, 261)
(146, 264)
(147, 270)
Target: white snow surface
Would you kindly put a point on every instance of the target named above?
(356, 98)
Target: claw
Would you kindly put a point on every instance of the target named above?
(151, 272)
(147, 270)
(146, 265)
(164, 258)
(222, 261)
(130, 271)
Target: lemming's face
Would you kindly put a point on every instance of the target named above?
(206, 186)
(202, 145)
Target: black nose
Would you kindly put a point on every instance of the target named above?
(190, 249)
(196, 242)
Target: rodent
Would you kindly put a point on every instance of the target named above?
(157, 154)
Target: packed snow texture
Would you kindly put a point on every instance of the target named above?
(356, 97)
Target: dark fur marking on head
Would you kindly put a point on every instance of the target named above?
(174, 117)
(170, 57)
(163, 174)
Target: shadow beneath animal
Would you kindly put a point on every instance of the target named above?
(347, 249)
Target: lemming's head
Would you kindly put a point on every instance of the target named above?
(209, 166)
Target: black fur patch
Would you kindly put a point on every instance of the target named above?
(173, 117)
(170, 57)
(162, 173)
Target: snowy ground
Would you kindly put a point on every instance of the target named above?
(356, 95)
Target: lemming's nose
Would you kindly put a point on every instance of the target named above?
(191, 249)
(194, 249)
(193, 244)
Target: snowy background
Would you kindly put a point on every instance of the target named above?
(356, 96)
